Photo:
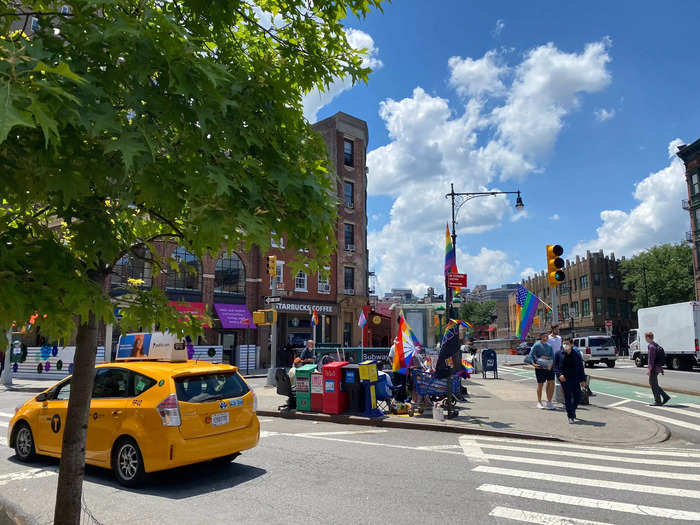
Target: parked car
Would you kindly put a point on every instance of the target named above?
(523, 348)
(597, 349)
(146, 416)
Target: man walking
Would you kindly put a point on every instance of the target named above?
(542, 358)
(657, 358)
(568, 367)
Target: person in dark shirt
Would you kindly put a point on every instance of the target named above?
(653, 371)
(308, 355)
(568, 366)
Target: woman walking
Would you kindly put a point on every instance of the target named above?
(568, 366)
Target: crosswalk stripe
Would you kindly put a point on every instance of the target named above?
(30, 473)
(595, 468)
(673, 410)
(341, 433)
(6, 414)
(3, 442)
(615, 506)
(647, 451)
(540, 519)
(601, 483)
(663, 419)
(619, 459)
(4, 424)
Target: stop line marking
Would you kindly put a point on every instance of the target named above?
(541, 519)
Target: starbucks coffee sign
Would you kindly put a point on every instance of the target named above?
(322, 309)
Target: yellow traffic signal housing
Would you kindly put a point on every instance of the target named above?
(555, 274)
(272, 265)
(265, 317)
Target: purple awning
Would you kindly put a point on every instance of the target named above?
(234, 316)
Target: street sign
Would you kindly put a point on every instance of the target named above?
(608, 327)
(457, 280)
(270, 300)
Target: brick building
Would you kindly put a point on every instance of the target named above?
(591, 295)
(690, 155)
(232, 285)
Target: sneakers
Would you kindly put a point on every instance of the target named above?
(571, 421)
(540, 404)
(550, 405)
(668, 398)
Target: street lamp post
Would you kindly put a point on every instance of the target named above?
(460, 199)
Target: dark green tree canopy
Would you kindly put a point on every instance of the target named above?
(478, 314)
(124, 122)
(669, 275)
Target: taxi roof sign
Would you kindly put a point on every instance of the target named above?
(161, 346)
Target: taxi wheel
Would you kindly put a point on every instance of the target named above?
(24, 442)
(127, 463)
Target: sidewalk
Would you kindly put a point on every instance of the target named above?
(503, 408)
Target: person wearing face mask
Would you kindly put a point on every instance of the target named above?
(568, 367)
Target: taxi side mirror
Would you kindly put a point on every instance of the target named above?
(42, 397)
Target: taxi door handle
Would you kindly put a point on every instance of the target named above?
(116, 413)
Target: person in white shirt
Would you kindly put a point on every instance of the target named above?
(554, 339)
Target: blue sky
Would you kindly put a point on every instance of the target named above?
(576, 108)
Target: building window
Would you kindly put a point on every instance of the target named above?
(612, 307)
(347, 334)
(575, 284)
(229, 275)
(598, 305)
(349, 194)
(300, 282)
(349, 237)
(65, 10)
(133, 270)
(596, 279)
(624, 309)
(188, 276)
(583, 282)
(276, 242)
(585, 308)
(35, 24)
(349, 280)
(324, 285)
(349, 152)
(280, 275)
(574, 308)
(694, 180)
(565, 311)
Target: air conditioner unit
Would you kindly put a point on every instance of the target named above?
(349, 247)
(324, 288)
(350, 205)
(349, 291)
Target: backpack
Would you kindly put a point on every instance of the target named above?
(660, 357)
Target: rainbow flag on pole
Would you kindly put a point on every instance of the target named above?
(527, 308)
(450, 256)
(314, 317)
(406, 346)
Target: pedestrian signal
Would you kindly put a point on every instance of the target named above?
(555, 274)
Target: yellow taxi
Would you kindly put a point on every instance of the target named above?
(146, 416)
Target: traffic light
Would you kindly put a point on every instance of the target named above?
(272, 265)
(555, 274)
(265, 317)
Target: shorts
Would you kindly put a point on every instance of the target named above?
(544, 375)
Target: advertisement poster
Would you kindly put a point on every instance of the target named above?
(134, 345)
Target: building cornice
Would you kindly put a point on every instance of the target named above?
(689, 152)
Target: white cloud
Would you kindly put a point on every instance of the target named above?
(496, 33)
(476, 77)
(603, 114)
(315, 100)
(494, 135)
(658, 218)
(554, 217)
(528, 272)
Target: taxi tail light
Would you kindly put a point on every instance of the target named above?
(169, 411)
(616, 351)
(588, 350)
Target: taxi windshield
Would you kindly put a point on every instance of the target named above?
(209, 387)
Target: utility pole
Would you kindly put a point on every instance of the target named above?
(272, 269)
(6, 378)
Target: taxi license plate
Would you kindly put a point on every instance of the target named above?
(219, 419)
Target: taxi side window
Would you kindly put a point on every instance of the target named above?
(63, 392)
(141, 383)
(111, 382)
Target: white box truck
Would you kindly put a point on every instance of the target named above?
(676, 328)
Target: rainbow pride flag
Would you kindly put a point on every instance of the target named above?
(450, 256)
(314, 317)
(406, 346)
(527, 303)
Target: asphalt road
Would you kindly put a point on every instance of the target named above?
(626, 370)
(325, 473)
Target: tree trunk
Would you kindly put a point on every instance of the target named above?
(72, 467)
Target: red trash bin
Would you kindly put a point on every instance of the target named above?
(335, 401)
(317, 392)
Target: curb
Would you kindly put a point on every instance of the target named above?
(389, 423)
(31, 389)
(646, 385)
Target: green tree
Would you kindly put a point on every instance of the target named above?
(660, 275)
(124, 123)
(477, 313)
